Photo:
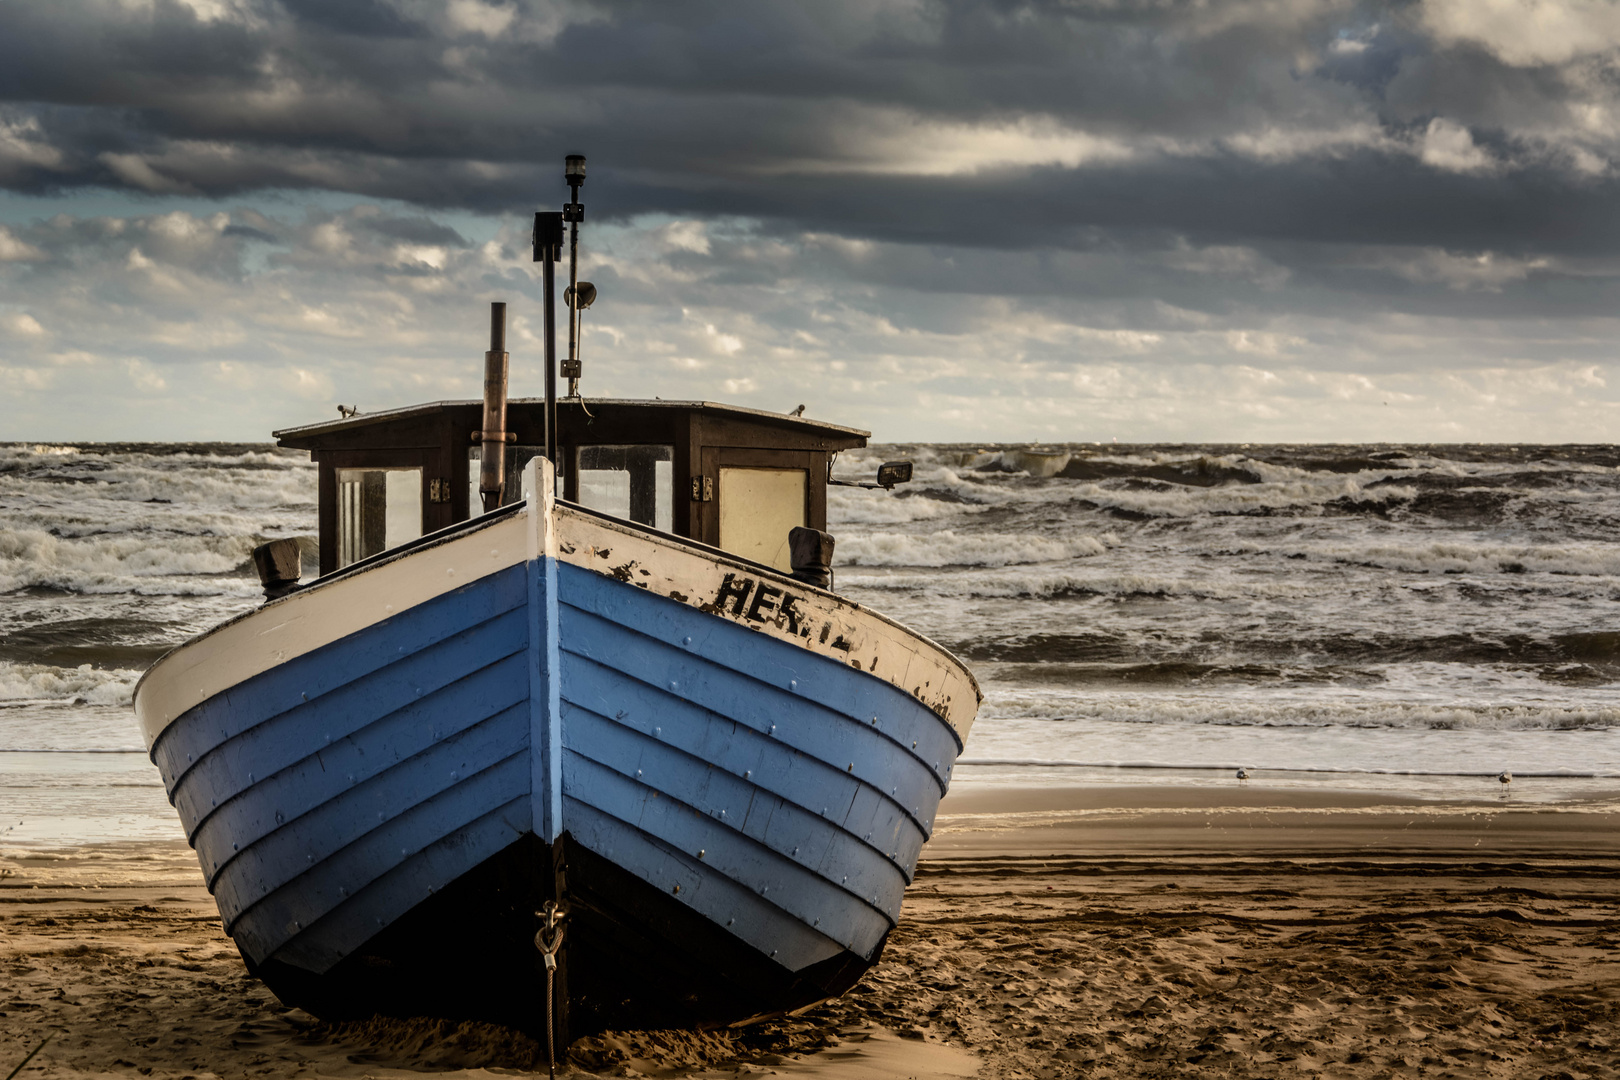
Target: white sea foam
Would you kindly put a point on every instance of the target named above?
(125, 563)
(1323, 708)
(947, 548)
(35, 683)
(1046, 585)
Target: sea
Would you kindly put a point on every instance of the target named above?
(1407, 622)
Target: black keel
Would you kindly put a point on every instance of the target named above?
(633, 956)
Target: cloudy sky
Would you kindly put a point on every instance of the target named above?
(1250, 220)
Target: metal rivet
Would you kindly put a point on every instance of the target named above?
(701, 851)
(677, 888)
(851, 767)
(747, 773)
(638, 771)
(686, 640)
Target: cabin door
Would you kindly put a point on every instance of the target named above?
(758, 497)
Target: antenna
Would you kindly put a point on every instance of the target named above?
(573, 213)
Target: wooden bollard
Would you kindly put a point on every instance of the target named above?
(280, 565)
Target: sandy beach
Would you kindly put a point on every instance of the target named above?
(1051, 932)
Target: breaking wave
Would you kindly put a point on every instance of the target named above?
(947, 548)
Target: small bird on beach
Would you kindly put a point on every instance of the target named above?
(1243, 775)
(1504, 778)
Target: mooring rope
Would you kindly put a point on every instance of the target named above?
(548, 939)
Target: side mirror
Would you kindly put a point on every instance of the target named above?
(891, 473)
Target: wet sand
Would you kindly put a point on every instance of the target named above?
(1051, 933)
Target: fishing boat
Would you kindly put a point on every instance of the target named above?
(571, 730)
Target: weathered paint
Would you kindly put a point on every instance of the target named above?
(774, 604)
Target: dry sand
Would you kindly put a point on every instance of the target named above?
(1052, 932)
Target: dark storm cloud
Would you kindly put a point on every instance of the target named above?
(1024, 125)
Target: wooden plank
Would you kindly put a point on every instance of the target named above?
(283, 915)
(318, 837)
(800, 752)
(801, 678)
(371, 673)
(319, 615)
(787, 831)
(851, 921)
(774, 933)
(774, 605)
(391, 896)
(328, 769)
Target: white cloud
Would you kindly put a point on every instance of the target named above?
(1448, 145)
(1487, 270)
(1527, 32)
(15, 250)
(886, 141)
(22, 324)
(473, 17)
(144, 376)
(134, 170)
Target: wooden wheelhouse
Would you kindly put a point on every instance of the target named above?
(733, 478)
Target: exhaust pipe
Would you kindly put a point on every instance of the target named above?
(493, 436)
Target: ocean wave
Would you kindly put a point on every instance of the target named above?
(131, 563)
(1258, 770)
(947, 548)
(1449, 556)
(22, 684)
(1057, 585)
(1219, 710)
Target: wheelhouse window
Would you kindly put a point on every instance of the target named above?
(632, 482)
(377, 509)
(517, 459)
(758, 508)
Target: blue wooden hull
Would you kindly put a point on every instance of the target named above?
(380, 817)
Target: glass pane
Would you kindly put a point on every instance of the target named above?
(377, 509)
(517, 457)
(634, 482)
(758, 507)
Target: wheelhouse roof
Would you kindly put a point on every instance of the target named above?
(297, 435)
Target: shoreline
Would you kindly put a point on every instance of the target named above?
(1049, 932)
